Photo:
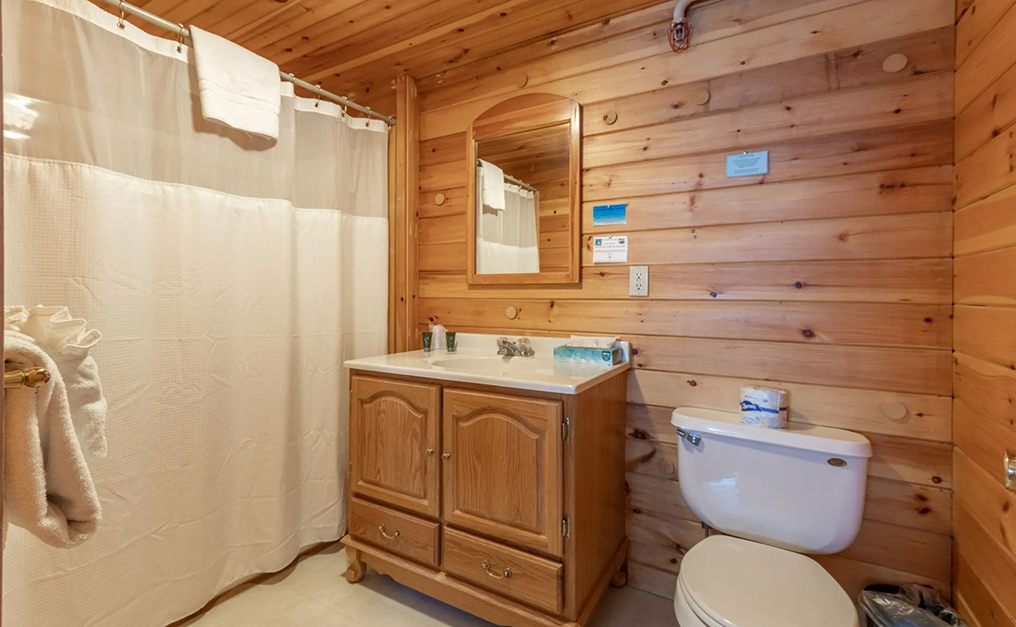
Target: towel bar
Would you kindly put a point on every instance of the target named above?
(33, 377)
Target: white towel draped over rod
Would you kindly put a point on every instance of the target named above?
(182, 31)
(520, 183)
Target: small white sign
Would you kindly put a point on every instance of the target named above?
(748, 164)
(610, 249)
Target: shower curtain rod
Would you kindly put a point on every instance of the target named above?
(512, 179)
(181, 30)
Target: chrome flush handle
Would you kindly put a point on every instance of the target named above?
(1010, 471)
(693, 439)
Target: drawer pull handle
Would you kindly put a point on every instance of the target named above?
(394, 536)
(486, 568)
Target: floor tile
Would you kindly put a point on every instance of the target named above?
(314, 593)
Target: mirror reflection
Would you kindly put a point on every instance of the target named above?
(522, 201)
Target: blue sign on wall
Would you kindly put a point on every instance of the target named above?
(604, 215)
(748, 164)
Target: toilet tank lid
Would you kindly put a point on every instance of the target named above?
(799, 436)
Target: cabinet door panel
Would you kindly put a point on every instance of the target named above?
(502, 476)
(394, 437)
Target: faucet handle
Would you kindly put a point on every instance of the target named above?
(526, 347)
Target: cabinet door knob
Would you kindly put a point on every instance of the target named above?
(430, 452)
(446, 456)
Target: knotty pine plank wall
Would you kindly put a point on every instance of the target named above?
(830, 277)
(985, 326)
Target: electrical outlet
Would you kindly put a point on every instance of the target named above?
(638, 283)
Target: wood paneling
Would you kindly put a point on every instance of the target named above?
(984, 372)
(404, 216)
(358, 47)
(831, 276)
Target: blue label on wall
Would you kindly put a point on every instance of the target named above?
(748, 164)
(604, 215)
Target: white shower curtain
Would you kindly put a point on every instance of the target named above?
(507, 242)
(230, 276)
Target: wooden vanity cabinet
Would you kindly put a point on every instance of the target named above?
(508, 504)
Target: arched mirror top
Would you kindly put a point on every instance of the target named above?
(524, 192)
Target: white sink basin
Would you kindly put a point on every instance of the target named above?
(496, 365)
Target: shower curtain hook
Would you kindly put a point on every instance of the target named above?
(179, 38)
(123, 15)
(317, 95)
(368, 117)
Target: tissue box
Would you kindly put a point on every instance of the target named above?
(583, 355)
(763, 407)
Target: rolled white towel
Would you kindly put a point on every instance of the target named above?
(48, 488)
(68, 342)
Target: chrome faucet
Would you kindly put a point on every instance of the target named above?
(522, 348)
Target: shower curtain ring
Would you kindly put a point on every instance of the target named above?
(123, 15)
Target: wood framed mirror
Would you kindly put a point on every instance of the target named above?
(524, 192)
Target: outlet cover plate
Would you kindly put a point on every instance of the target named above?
(638, 281)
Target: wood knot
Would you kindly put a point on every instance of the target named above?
(808, 333)
(936, 479)
(692, 382)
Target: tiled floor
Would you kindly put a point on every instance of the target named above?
(313, 593)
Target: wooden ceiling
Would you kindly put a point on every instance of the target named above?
(357, 47)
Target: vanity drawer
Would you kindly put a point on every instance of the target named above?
(533, 580)
(399, 533)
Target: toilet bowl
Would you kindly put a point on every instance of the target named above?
(730, 582)
(776, 494)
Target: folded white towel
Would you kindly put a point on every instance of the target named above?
(236, 87)
(492, 187)
(581, 341)
(68, 341)
(48, 489)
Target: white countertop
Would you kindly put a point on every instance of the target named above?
(477, 361)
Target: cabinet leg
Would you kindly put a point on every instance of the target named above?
(357, 569)
(620, 578)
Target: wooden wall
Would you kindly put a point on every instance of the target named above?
(984, 376)
(830, 277)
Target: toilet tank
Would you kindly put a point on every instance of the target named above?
(800, 488)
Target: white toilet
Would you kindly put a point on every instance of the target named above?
(776, 494)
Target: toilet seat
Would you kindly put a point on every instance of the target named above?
(730, 582)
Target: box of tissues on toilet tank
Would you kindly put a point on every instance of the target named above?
(763, 407)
